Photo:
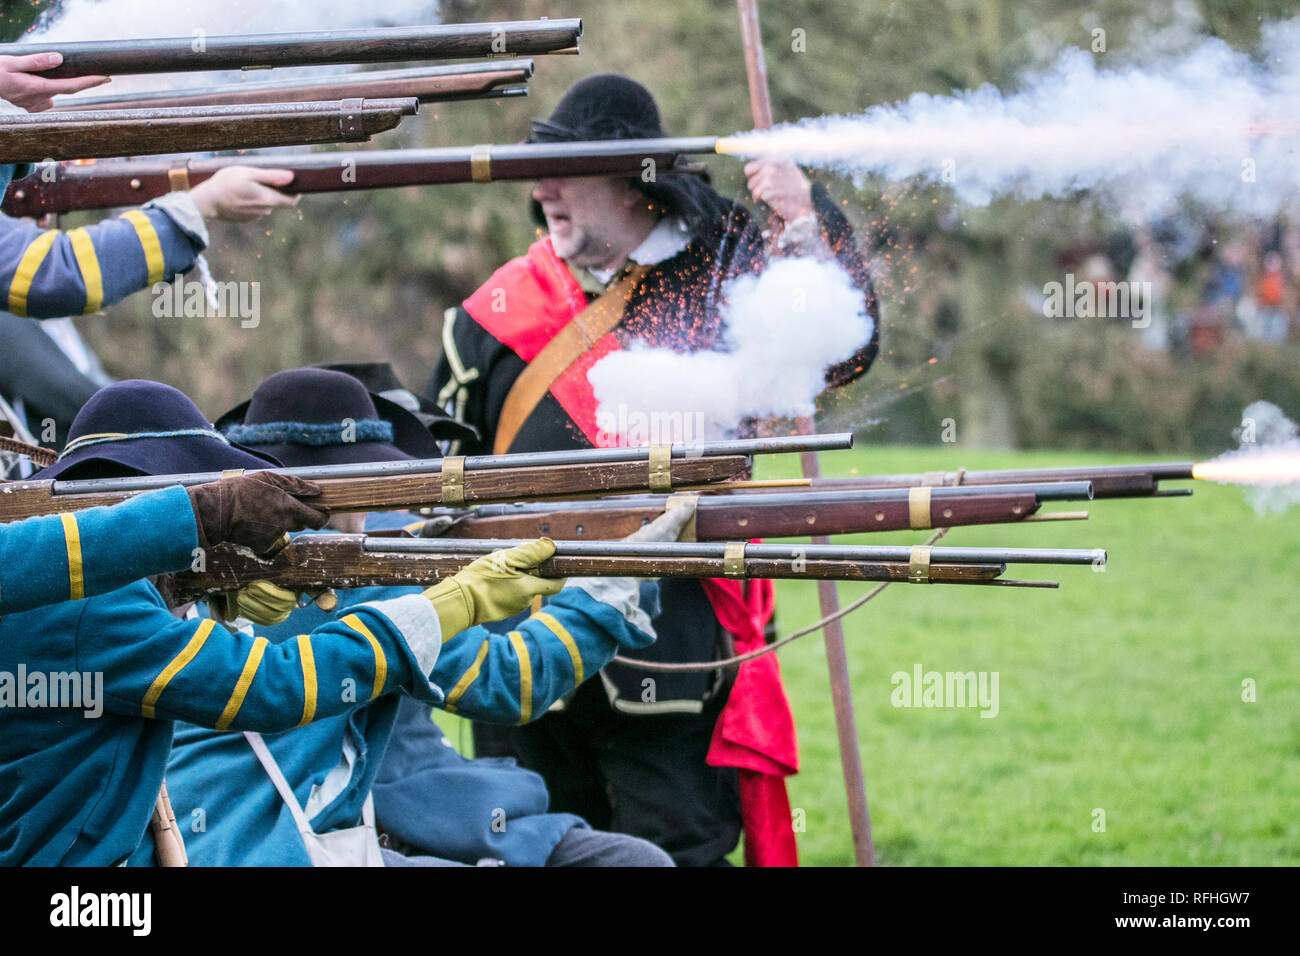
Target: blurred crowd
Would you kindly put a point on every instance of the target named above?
(1208, 282)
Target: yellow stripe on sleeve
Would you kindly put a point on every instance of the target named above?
(72, 538)
(28, 266)
(381, 662)
(241, 686)
(153, 254)
(525, 677)
(84, 249)
(171, 670)
(567, 640)
(308, 679)
(467, 678)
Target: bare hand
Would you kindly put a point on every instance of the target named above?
(781, 185)
(35, 93)
(243, 193)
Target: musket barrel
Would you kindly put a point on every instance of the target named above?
(322, 48)
(424, 83)
(103, 133)
(1045, 491)
(577, 456)
(1109, 481)
(678, 549)
(75, 187)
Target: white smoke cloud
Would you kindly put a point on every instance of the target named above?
(783, 328)
(1213, 124)
(1269, 445)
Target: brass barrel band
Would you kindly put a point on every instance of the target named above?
(918, 568)
(918, 508)
(480, 163)
(733, 560)
(661, 467)
(453, 480)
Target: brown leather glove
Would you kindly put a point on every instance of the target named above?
(254, 510)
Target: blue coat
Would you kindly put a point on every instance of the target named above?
(46, 273)
(66, 557)
(433, 801)
(79, 788)
(230, 815)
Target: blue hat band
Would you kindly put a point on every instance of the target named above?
(102, 438)
(318, 435)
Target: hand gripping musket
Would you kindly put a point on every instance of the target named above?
(96, 134)
(752, 514)
(403, 485)
(428, 84)
(317, 562)
(324, 48)
(71, 187)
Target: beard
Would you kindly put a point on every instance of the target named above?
(580, 246)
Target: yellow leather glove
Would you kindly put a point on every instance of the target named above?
(496, 586)
(261, 602)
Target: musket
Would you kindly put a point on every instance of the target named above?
(316, 562)
(403, 485)
(1108, 481)
(96, 134)
(71, 187)
(428, 84)
(263, 51)
(749, 514)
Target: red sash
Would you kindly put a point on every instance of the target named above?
(525, 303)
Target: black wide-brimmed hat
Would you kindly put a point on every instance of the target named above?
(318, 416)
(146, 428)
(383, 382)
(610, 106)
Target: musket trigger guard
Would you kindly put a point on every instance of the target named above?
(733, 560)
(661, 467)
(918, 508)
(453, 480)
(918, 568)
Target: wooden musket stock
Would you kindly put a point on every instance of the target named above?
(428, 84)
(315, 562)
(20, 499)
(103, 133)
(322, 48)
(71, 187)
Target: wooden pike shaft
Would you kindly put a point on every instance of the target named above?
(837, 661)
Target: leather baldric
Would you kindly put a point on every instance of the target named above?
(584, 330)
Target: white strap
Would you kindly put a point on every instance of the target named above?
(281, 785)
(368, 811)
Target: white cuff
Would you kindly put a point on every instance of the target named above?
(180, 208)
(622, 594)
(415, 619)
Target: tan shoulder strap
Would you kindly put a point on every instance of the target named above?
(586, 328)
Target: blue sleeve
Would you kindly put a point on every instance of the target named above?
(158, 666)
(67, 557)
(513, 678)
(48, 274)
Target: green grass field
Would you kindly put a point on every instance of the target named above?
(1120, 692)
